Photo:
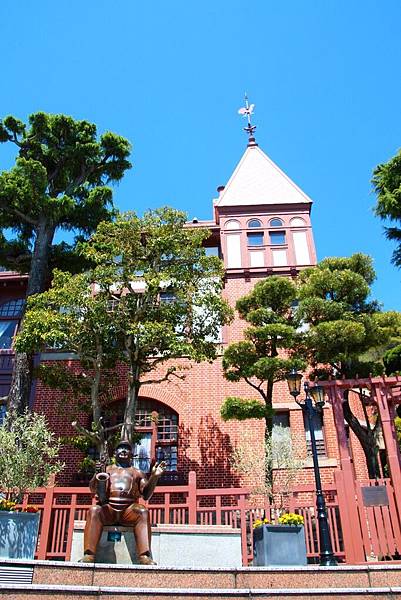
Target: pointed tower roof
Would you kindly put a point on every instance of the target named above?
(258, 180)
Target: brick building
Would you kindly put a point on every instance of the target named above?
(261, 226)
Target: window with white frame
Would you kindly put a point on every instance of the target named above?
(10, 314)
(319, 434)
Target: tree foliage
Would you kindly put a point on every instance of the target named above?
(346, 332)
(387, 184)
(265, 356)
(59, 183)
(151, 298)
(28, 453)
(392, 360)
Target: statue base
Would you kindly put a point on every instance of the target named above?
(206, 546)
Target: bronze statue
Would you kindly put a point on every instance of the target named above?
(118, 490)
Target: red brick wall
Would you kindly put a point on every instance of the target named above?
(205, 441)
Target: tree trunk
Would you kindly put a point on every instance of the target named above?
(128, 427)
(18, 398)
(366, 437)
(268, 435)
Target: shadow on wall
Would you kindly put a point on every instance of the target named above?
(214, 467)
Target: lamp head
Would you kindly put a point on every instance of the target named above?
(317, 393)
(294, 382)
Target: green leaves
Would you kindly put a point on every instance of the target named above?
(29, 452)
(275, 294)
(266, 355)
(151, 296)
(59, 181)
(342, 326)
(240, 409)
(387, 185)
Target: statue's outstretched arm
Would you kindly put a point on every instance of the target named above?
(147, 486)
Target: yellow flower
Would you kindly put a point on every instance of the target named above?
(291, 519)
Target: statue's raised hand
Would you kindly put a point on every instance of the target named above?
(159, 468)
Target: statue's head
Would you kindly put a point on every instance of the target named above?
(123, 452)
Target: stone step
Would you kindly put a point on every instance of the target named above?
(342, 576)
(61, 592)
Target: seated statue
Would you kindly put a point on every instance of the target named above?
(118, 490)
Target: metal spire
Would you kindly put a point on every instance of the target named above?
(247, 111)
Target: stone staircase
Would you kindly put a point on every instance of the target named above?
(34, 580)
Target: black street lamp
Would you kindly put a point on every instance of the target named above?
(311, 406)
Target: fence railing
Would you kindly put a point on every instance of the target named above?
(183, 504)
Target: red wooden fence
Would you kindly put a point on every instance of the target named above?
(377, 534)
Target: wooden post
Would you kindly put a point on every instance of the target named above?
(71, 526)
(353, 545)
(244, 544)
(192, 499)
(46, 519)
(390, 439)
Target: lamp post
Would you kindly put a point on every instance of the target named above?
(311, 406)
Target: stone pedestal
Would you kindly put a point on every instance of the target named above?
(204, 546)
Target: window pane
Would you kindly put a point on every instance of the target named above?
(167, 297)
(281, 425)
(255, 239)
(142, 453)
(276, 223)
(7, 330)
(3, 410)
(319, 436)
(277, 237)
(254, 223)
(212, 251)
(169, 455)
(12, 308)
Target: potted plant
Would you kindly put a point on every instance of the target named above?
(28, 459)
(281, 544)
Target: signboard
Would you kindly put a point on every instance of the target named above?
(375, 495)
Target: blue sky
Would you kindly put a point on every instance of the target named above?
(170, 76)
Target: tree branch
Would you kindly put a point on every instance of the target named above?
(165, 378)
(90, 434)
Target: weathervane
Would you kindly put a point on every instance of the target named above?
(247, 111)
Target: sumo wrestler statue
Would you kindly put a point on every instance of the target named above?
(118, 490)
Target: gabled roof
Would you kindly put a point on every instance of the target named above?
(258, 180)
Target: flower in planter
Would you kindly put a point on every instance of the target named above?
(7, 505)
(260, 522)
(11, 506)
(30, 508)
(291, 519)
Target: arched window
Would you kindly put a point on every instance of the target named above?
(232, 224)
(254, 223)
(276, 222)
(10, 313)
(297, 222)
(157, 427)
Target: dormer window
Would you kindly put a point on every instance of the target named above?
(254, 223)
(276, 223)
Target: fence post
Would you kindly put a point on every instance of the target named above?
(192, 499)
(71, 526)
(387, 423)
(347, 499)
(46, 519)
(244, 544)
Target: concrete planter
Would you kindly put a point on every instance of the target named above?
(279, 545)
(18, 534)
